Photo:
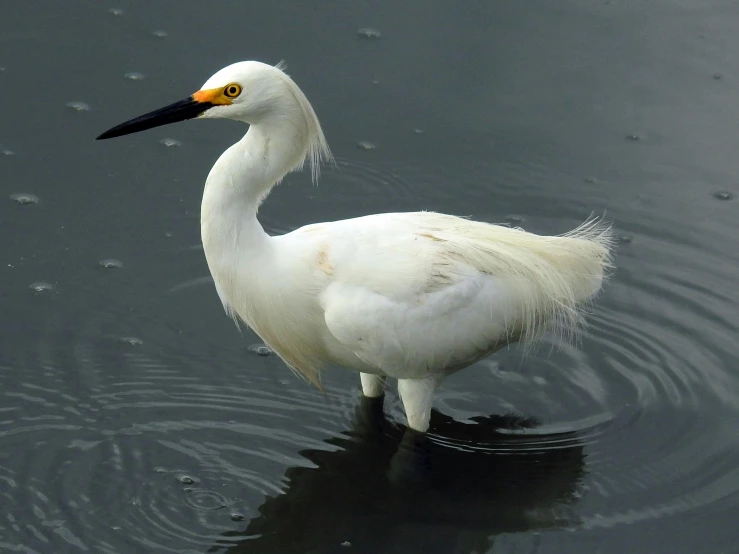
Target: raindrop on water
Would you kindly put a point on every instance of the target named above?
(168, 235)
(134, 75)
(186, 480)
(110, 263)
(170, 142)
(369, 32)
(79, 106)
(133, 341)
(116, 11)
(514, 219)
(418, 131)
(6, 152)
(346, 544)
(366, 145)
(206, 500)
(723, 195)
(261, 350)
(41, 286)
(624, 239)
(718, 76)
(237, 517)
(160, 469)
(591, 180)
(635, 136)
(24, 198)
(160, 34)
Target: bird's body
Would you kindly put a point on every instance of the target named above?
(412, 296)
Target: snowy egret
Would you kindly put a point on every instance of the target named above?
(412, 296)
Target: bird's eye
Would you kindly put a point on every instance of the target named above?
(232, 90)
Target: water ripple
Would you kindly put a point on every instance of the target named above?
(159, 435)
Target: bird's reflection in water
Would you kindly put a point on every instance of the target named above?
(389, 490)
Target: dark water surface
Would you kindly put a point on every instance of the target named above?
(135, 418)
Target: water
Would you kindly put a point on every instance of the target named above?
(134, 417)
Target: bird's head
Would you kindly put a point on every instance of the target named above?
(244, 91)
(251, 92)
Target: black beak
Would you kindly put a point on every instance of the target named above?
(179, 111)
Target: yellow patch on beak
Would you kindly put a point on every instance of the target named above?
(213, 96)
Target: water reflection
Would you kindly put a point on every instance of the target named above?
(386, 489)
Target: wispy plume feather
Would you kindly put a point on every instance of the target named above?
(318, 149)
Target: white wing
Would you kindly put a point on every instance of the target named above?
(420, 293)
(413, 294)
(425, 332)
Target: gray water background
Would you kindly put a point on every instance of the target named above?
(135, 418)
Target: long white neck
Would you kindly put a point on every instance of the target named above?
(241, 178)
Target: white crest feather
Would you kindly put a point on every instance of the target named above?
(318, 149)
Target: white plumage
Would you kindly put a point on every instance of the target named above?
(412, 296)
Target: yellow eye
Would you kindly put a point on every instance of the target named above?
(232, 90)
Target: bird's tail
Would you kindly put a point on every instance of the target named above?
(577, 265)
(552, 279)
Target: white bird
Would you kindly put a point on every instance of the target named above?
(411, 296)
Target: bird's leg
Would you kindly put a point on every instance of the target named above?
(373, 386)
(417, 396)
(411, 463)
(369, 417)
